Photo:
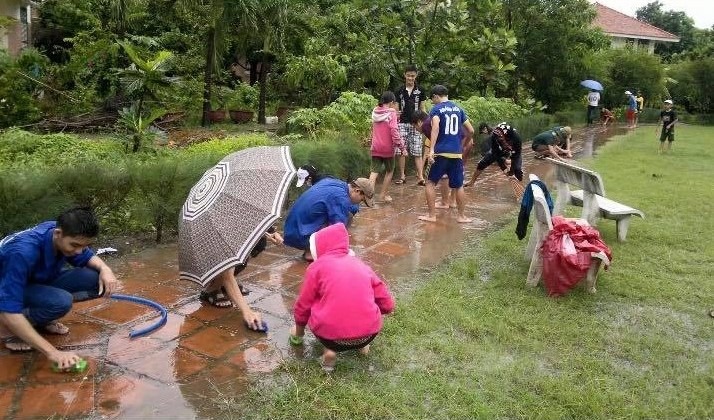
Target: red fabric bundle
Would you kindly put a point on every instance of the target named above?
(567, 252)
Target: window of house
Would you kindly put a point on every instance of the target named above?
(23, 15)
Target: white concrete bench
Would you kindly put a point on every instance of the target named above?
(591, 197)
(542, 224)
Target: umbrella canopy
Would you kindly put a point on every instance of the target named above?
(591, 84)
(230, 208)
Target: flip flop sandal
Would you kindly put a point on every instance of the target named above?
(295, 340)
(16, 344)
(421, 183)
(215, 298)
(400, 181)
(243, 290)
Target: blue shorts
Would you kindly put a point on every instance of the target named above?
(452, 167)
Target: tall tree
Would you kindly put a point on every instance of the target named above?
(555, 38)
(222, 17)
(677, 23)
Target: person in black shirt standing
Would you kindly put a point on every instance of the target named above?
(410, 98)
(668, 118)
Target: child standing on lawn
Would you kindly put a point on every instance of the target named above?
(668, 118)
(342, 299)
(385, 138)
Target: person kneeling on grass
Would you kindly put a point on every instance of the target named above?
(342, 299)
(224, 291)
(36, 289)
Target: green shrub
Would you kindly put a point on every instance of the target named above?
(481, 109)
(350, 113)
(19, 149)
(27, 198)
(163, 186)
(649, 115)
(343, 157)
(216, 149)
(17, 104)
(103, 186)
(531, 125)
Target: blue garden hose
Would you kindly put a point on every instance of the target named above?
(147, 302)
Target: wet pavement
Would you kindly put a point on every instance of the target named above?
(204, 357)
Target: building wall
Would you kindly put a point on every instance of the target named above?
(619, 42)
(17, 36)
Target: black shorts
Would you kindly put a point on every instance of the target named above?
(344, 345)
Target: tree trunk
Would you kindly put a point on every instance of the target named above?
(262, 76)
(136, 140)
(253, 74)
(208, 75)
(159, 225)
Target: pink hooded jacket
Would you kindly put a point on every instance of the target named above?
(385, 132)
(341, 297)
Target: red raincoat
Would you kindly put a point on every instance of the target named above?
(567, 254)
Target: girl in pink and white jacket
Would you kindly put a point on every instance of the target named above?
(342, 299)
(385, 140)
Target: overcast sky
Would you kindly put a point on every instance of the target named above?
(702, 11)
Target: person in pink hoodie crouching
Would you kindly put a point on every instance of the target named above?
(342, 299)
(385, 138)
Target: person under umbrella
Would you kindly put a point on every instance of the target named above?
(224, 291)
(227, 218)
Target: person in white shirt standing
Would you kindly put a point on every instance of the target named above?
(593, 101)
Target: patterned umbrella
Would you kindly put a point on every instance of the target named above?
(230, 209)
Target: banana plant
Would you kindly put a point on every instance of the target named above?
(137, 124)
(143, 79)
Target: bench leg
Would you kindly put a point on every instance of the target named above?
(591, 277)
(622, 226)
(535, 271)
(538, 233)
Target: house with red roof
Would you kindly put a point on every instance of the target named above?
(625, 30)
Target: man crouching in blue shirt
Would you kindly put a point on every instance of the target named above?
(35, 287)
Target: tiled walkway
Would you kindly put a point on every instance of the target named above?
(205, 354)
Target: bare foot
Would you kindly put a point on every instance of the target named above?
(427, 218)
(441, 206)
(387, 199)
(365, 350)
(463, 219)
(329, 358)
(15, 344)
(56, 327)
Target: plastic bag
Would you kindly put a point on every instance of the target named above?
(567, 254)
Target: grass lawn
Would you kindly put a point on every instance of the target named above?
(474, 342)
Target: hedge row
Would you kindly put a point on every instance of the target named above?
(41, 175)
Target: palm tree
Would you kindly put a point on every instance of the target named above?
(144, 79)
(222, 14)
